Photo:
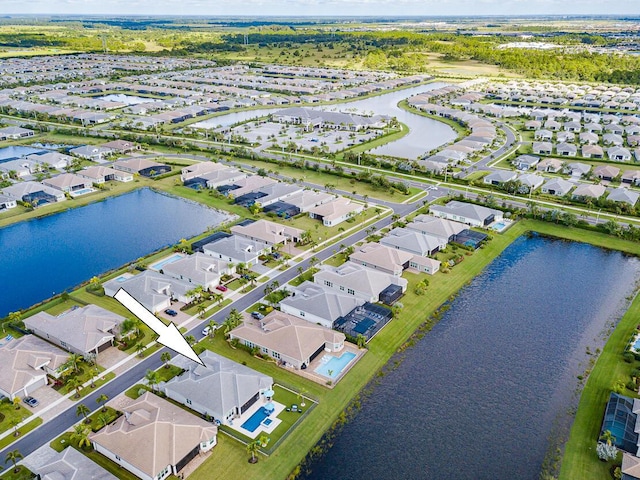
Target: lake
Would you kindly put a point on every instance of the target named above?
(45, 256)
(424, 135)
(479, 396)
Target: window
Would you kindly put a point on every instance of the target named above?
(275, 354)
(328, 283)
(350, 291)
(265, 350)
(302, 314)
(413, 264)
(342, 288)
(188, 401)
(118, 458)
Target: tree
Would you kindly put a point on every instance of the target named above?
(102, 400)
(217, 298)
(191, 340)
(212, 328)
(13, 456)
(196, 293)
(201, 310)
(606, 452)
(253, 448)
(361, 340)
(81, 436)
(301, 393)
(94, 373)
(264, 440)
(165, 357)
(74, 361)
(83, 410)
(607, 437)
(152, 379)
(16, 403)
(14, 423)
(140, 348)
(15, 317)
(313, 261)
(76, 384)
(103, 420)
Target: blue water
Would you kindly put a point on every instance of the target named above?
(11, 153)
(48, 255)
(336, 365)
(162, 263)
(480, 395)
(255, 420)
(636, 345)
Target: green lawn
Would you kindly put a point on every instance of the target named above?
(23, 473)
(23, 430)
(85, 372)
(9, 414)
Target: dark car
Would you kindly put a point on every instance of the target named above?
(32, 402)
(257, 315)
(170, 312)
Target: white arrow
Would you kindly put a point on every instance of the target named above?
(169, 335)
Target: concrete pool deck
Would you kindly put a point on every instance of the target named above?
(275, 421)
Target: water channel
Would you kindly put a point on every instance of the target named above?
(424, 135)
(45, 256)
(478, 397)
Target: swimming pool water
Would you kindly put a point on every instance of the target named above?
(82, 191)
(636, 345)
(335, 364)
(255, 420)
(173, 258)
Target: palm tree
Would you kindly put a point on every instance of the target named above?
(74, 361)
(103, 420)
(94, 373)
(201, 309)
(13, 456)
(81, 436)
(361, 340)
(165, 357)
(300, 270)
(83, 410)
(217, 298)
(253, 448)
(75, 383)
(301, 393)
(191, 340)
(152, 379)
(16, 403)
(14, 423)
(102, 400)
(212, 328)
(313, 261)
(264, 440)
(607, 437)
(140, 348)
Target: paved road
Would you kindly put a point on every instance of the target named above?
(54, 428)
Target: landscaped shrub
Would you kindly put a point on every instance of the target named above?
(629, 357)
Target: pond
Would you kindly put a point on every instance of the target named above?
(18, 151)
(479, 396)
(45, 256)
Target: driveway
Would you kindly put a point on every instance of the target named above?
(47, 397)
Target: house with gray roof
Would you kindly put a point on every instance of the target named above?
(566, 149)
(87, 330)
(557, 186)
(152, 289)
(91, 152)
(525, 162)
(550, 165)
(531, 181)
(198, 269)
(308, 199)
(357, 280)
(141, 166)
(413, 241)
(469, 213)
(606, 172)
(15, 133)
(619, 154)
(68, 182)
(623, 195)
(221, 388)
(589, 137)
(7, 202)
(288, 339)
(542, 148)
(318, 304)
(69, 464)
(34, 193)
(499, 177)
(448, 230)
(631, 177)
(236, 249)
(277, 192)
(268, 233)
(55, 160)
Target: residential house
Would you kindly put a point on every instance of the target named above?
(542, 148)
(335, 212)
(586, 191)
(68, 182)
(288, 339)
(15, 133)
(7, 202)
(199, 269)
(623, 195)
(413, 241)
(631, 177)
(237, 188)
(424, 265)
(557, 186)
(439, 227)
(550, 165)
(499, 177)
(152, 289)
(269, 194)
(566, 149)
(531, 181)
(619, 154)
(121, 146)
(221, 388)
(268, 233)
(91, 152)
(589, 137)
(56, 160)
(606, 172)
(154, 438)
(34, 193)
(318, 304)
(235, 249)
(525, 162)
(87, 330)
(69, 464)
(357, 280)
(543, 135)
(100, 174)
(565, 137)
(26, 362)
(381, 257)
(592, 151)
(612, 139)
(142, 166)
(308, 199)
(471, 214)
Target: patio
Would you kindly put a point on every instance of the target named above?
(268, 429)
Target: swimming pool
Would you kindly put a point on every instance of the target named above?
(333, 366)
(82, 191)
(636, 345)
(255, 420)
(498, 226)
(173, 258)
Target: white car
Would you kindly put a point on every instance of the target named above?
(206, 330)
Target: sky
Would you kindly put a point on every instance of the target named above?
(322, 7)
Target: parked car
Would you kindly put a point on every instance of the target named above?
(206, 330)
(32, 402)
(171, 313)
(257, 315)
(222, 288)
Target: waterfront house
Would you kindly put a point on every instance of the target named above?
(381, 257)
(469, 213)
(34, 193)
(100, 174)
(235, 249)
(68, 182)
(268, 233)
(142, 166)
(199, 269)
